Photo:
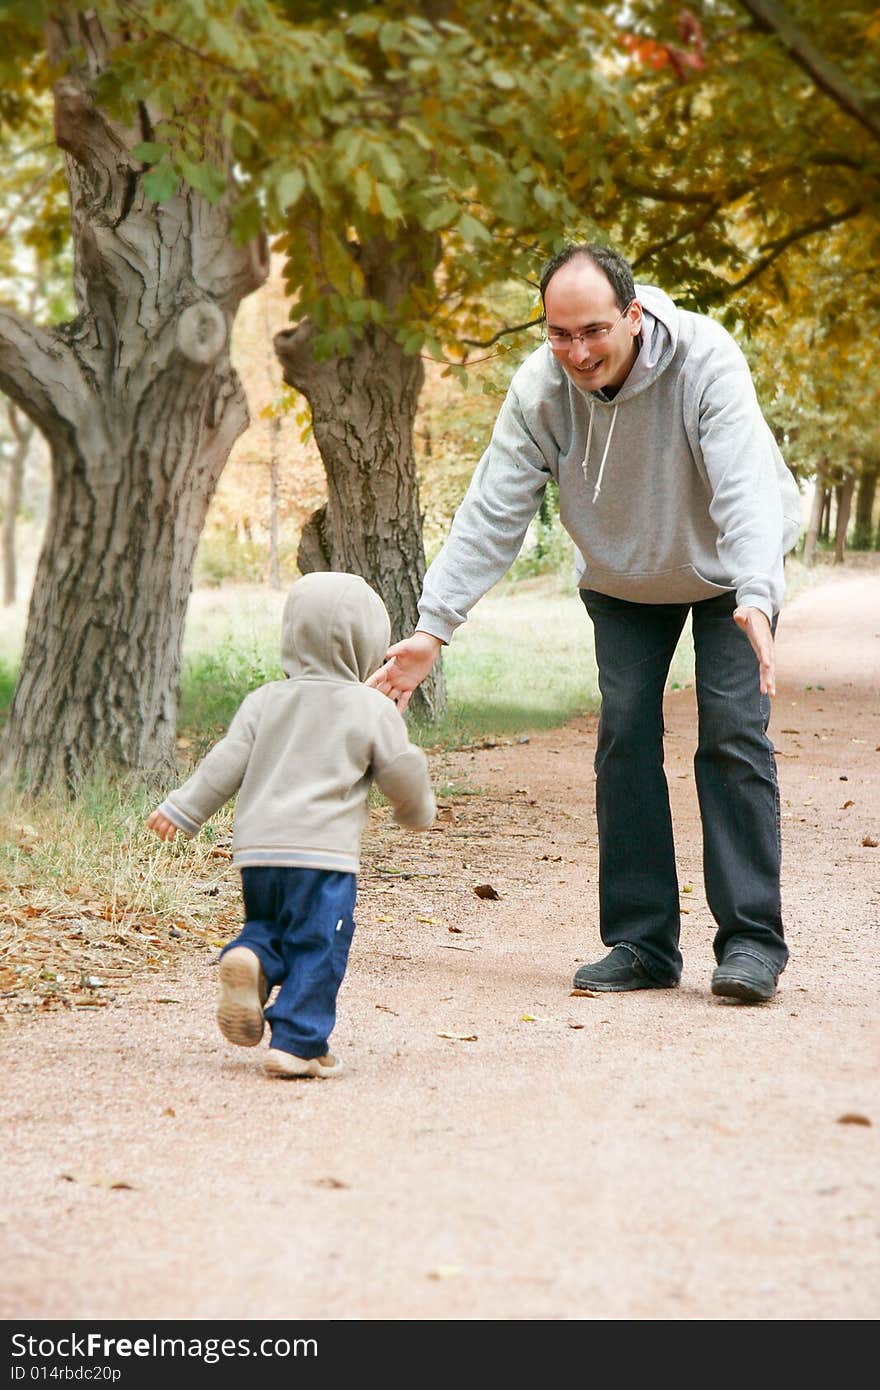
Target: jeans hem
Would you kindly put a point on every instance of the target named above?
(634, 950)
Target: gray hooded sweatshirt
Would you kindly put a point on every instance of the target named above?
(302, 752)
(673, 491)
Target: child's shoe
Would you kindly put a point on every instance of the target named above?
(284, 1066)
(243, 992)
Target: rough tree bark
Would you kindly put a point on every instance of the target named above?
(844, 506)
(820, 492)
(863, 533)
(363, 414)
(23, 433)
(140, 406)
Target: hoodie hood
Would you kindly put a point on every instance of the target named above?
(659, 339)
(334, 626)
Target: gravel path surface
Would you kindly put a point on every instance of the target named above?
(659, 1155)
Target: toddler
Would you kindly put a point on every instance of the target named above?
(302, 753)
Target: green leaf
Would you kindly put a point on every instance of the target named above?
(223, 40)
(441, 217)
(363, 188)
(290, 188)
(503, 79)
(204, 178)
(471, 229)
(388, 203)
(161, 183)
(149, 152)
(391, 165)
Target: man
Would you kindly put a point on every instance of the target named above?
(677, 499)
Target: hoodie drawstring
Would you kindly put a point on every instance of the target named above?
(584, 465)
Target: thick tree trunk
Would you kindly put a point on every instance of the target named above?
(363, 415)
(812, 536)
(274, 558)
(863, 532)
(12, 503)
(140, 406)
(844, 507)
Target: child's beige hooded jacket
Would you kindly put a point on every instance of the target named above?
(302, 752)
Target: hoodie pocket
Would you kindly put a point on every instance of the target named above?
(684, 584)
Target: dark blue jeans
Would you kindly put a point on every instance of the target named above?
(300, 923)
(735, 770)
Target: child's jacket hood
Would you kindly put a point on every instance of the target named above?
(334, 626)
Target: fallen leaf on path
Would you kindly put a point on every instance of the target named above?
(584, 993)
(334, 1183)
(687, 888)
(869, 842)
(485, 890)
(577, 1025)
(852, 1117)
(456, 930)
(846, 805)
(169, 1110)
(97, 1180)
(385, 1009)
(444, 1272)
(459, 1037)
(424, 919)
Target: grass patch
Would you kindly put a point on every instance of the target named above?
(87, 893)
(524, 660)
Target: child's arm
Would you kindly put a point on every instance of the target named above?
(217, 778)
(159, 823)
(400, 770)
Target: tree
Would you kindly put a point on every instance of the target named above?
(140, 407)
(753, 192)
(410, 161)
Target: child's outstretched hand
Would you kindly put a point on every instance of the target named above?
(161, 826)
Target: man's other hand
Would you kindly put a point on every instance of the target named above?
(407, 663)
(756, 625)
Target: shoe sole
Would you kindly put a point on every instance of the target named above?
(606, 988)
(746, 993)
(240, 1011)
(296, 1068)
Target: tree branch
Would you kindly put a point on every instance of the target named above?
(516, 328)
(776, 248)
(770, 16)
(33, 367)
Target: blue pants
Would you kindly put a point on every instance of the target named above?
(735, 770)
(300, 923)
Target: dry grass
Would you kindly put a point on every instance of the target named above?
(88, 898)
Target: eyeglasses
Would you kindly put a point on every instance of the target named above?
(558, 338)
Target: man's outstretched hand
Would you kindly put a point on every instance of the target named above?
(756, 625)
(407, 663)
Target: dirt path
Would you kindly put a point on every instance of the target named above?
(662, 1155)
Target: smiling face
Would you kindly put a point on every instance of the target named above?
(580, 299)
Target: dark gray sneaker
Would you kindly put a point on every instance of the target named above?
(619, 970)
(744, 977)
